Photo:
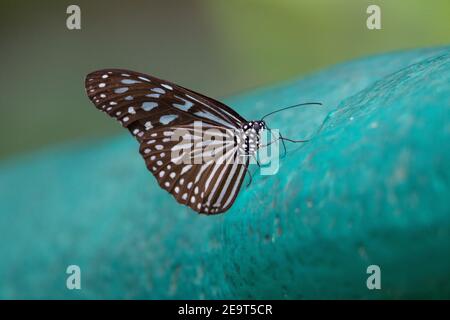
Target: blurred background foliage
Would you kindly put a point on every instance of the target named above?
(217, 47)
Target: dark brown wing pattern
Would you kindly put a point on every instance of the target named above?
(165, 118)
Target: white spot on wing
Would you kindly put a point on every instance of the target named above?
(129, 81)
(147, 106)
(158, 90)
(185, 106)
(145, 79)
(121, 90)
(153, 95)
(184, 170)
(148, 126)
(167, 118)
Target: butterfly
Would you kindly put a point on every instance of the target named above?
(155, 111)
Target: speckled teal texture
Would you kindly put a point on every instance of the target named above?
(372, 187)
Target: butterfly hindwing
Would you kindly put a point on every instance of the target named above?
(182, 168)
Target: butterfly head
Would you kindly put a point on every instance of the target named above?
(256, 126)
(250, 136)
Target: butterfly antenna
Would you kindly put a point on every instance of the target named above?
(292, 140)
(280, 137)
(314, 134)
(294, 106)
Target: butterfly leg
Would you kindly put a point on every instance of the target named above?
(272, 141)
(251, 179)
(251, 174)
(284, 147)
(257, 161)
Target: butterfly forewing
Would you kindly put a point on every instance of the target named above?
(143, 102)
(153, 110)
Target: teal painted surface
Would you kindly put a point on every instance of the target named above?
(372, 187)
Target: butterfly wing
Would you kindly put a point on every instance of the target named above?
(153, 110)
(121, 93)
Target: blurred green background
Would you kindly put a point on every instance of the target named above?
(216, 47)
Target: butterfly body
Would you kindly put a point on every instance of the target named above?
(251, 137)
(160, 114)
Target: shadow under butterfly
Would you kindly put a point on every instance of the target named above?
(156, 111)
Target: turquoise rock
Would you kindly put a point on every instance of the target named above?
(372, 187)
